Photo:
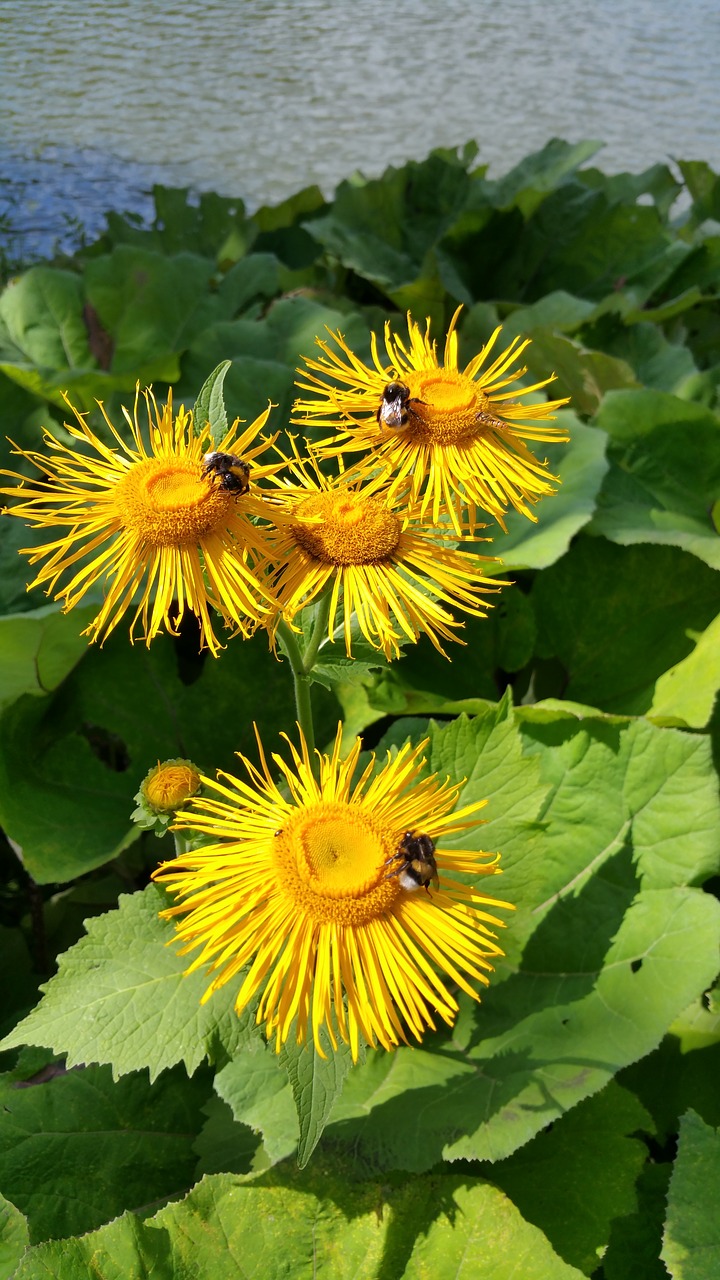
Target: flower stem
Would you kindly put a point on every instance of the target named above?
(303, 702)
(182, 843)
(319, 630)
(302, 662)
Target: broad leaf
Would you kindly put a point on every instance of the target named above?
(14, 1238)
(691, 1244)
(121, 997)
(554, 1181)
(665, 473)
(103, 1147)
(605, 946)
(618, 617)
(579, 467)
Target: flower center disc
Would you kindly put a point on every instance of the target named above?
(331, 859)
(170, 503)
(345, 529)
(445, 406)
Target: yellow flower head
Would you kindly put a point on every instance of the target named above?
(311, 887)
(393, 574)
(156, 526)
(451, 437)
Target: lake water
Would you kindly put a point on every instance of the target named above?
(257, 98)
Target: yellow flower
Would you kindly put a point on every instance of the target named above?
(390, 573)
(302, 883)
(452, 437)
(153, 526)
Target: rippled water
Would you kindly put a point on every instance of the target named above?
(249, 98)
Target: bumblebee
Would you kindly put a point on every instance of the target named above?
(231, 473)
(417, 867)
(396, 406)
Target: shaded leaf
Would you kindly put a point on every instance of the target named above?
(691, 1242)
(618, 617)
(103, 1147)
(554, 1180)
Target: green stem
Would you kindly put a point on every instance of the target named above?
(319, 631)
(303, 703)
(301, 663)
(182, 843)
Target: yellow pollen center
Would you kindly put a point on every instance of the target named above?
(445, 406)
(346, 528)
(331, 859)
(168, 501)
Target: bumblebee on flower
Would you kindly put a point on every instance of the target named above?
(166, 529)
(302, 895)
(451, 440)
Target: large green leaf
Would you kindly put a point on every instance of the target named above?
(665, 473)
(148, 304)
(384, 228)
(42, 325)
(691, 1245)
(579, 467)
(259, 1095)
(446, 1227)
(687, 691)
(39, 648)
(121, 997)
(14, 1238)
(554, 1179)
(618, 617)
(103, 1147)
(606, 943)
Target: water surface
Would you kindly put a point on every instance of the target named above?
(102, 97)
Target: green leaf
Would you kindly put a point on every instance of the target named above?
(127, 1249)
(691, 1242)
(14, 1238)
(527, 184)
(149, 305)
(316, 1083)
(210, 406)
(260, 1096)
(583, 375)
(480, 1235)
(39, 648)
(103, 1147)
(224, 1146)
(665, 473)
(633, 1252)
(687, 691)
(121, 997)
(554, 1183)
(579, 467)
(618, 617)
(42, 332)
(605, 945)
(440, 1227)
